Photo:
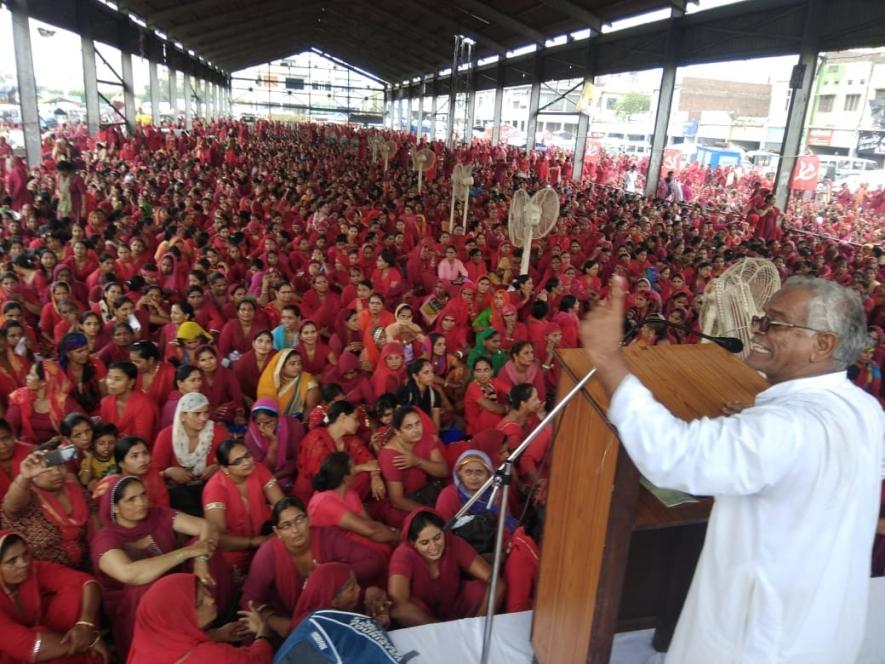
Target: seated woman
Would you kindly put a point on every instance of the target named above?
(138, 543)
(285, 381)
(419, 391)
(390, 373)
(526, 410)
(336, 504)
(472, 469)
(315, 355)
(188, 378)
(334, 586)
(12, 453)
(134, 413)
(330, 392)
(155, 378)
(36, 411)
(184, 453)
(338, 435)
(48, 611)
(51, 510)
(274, 441)
(409, 462)
(488, 345)
(523, 560)
(84, 372)
(282, 564)
(132, 457)
(220, 386)
(426, 574)
(483, 407)
(117, 349)
(522, 367)
(78, 430)
(237, 503)
(171, 622)
(249, 367)
(355, 383)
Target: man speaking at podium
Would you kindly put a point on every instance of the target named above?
(784, 574)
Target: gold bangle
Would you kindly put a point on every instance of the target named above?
(85, 623)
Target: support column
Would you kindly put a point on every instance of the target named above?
(188, 120)
(450, 121)
(173, 92)
(499, 104)
(583, 117)
(421, 109)
(198, 98)
(802, 84)
(128, 91)
(27, 83)
(155, 93)
(434, 109)
(534, 103)
(409, 114)
(665, 101)
(470, 100)
(90, 82)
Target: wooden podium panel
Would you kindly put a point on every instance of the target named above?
(594, 501)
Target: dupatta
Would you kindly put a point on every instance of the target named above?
(290, 396)
(71, 524)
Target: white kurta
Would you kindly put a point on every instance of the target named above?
(784, 574)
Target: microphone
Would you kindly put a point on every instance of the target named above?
(731, 344)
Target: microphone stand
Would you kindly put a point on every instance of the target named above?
(501, 479)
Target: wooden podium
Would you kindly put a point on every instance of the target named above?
(613, 557)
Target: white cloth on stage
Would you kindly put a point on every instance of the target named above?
(784, 574)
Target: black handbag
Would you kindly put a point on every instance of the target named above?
(478, 530)
(428, 493)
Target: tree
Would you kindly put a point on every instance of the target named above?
(632, 103)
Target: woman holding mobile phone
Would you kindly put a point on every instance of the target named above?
(50, 509)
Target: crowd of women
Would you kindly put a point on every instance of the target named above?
(247, 374)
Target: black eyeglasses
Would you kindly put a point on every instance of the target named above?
(764, 323)
(238, 462)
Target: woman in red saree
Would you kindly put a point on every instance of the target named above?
(354, 383)
(330, 586)
(83, 371)
(483, 403)
(170, 627)
(35, 411)
(282, 565)
(321, 305)
(48, 612)
(220, 386)
(386, 276)
(249, 367)
(373, 317)
(238, 334)
(156, 379)
(13, 369)
(427, 571)
(274, 440)
(348, 336)
(338, 435)
(456, 332)
(133, 458)
(12, 453)
(51, 510)
(237, 502)
(336, 504)
(522, 367)
(391, 372)
(526, 410)
(138, 544)
(316, 357)
(133, 413)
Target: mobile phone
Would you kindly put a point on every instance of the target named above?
(60, 456)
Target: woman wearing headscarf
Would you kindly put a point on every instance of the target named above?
(282, 565)
(348, 335)
(285, 381)
(185, 452)
(220, 386)
(274, 440)
(132, 456)
(390, 373)
(488, 345)
(338, 435)
(354, 383)
(81, 374)
(522, 367)
(51, 509)
(14, 368)
(427, 571)
(237, 502)
(330, 586)
(249, 367)
(48, 612)
(35, 412)
(171, 622)
(483, 403)
(138, 543)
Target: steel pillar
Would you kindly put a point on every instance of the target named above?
(420, 124)
(665, 101)
(90, 81)
(188, 120)
(534, 103)
(173, 93)
(128, 91)
(434, 109)
(583, 118)
(803, 75)
(409, 114)
(470, 100)
(27, 83)
(155, 93)
(499, 104)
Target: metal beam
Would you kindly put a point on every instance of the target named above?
(173, 92)
(499, 104)
(188, 91)
(456, 26)
(504, 20)
(182, 9)
(154, 84)
(534, 103)
(128, 90)
(662, 114)
(27, 83)
(583, 119)
(250, 12)
(799, 100)
(570, 9)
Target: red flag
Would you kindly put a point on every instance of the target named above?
(805, 173)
